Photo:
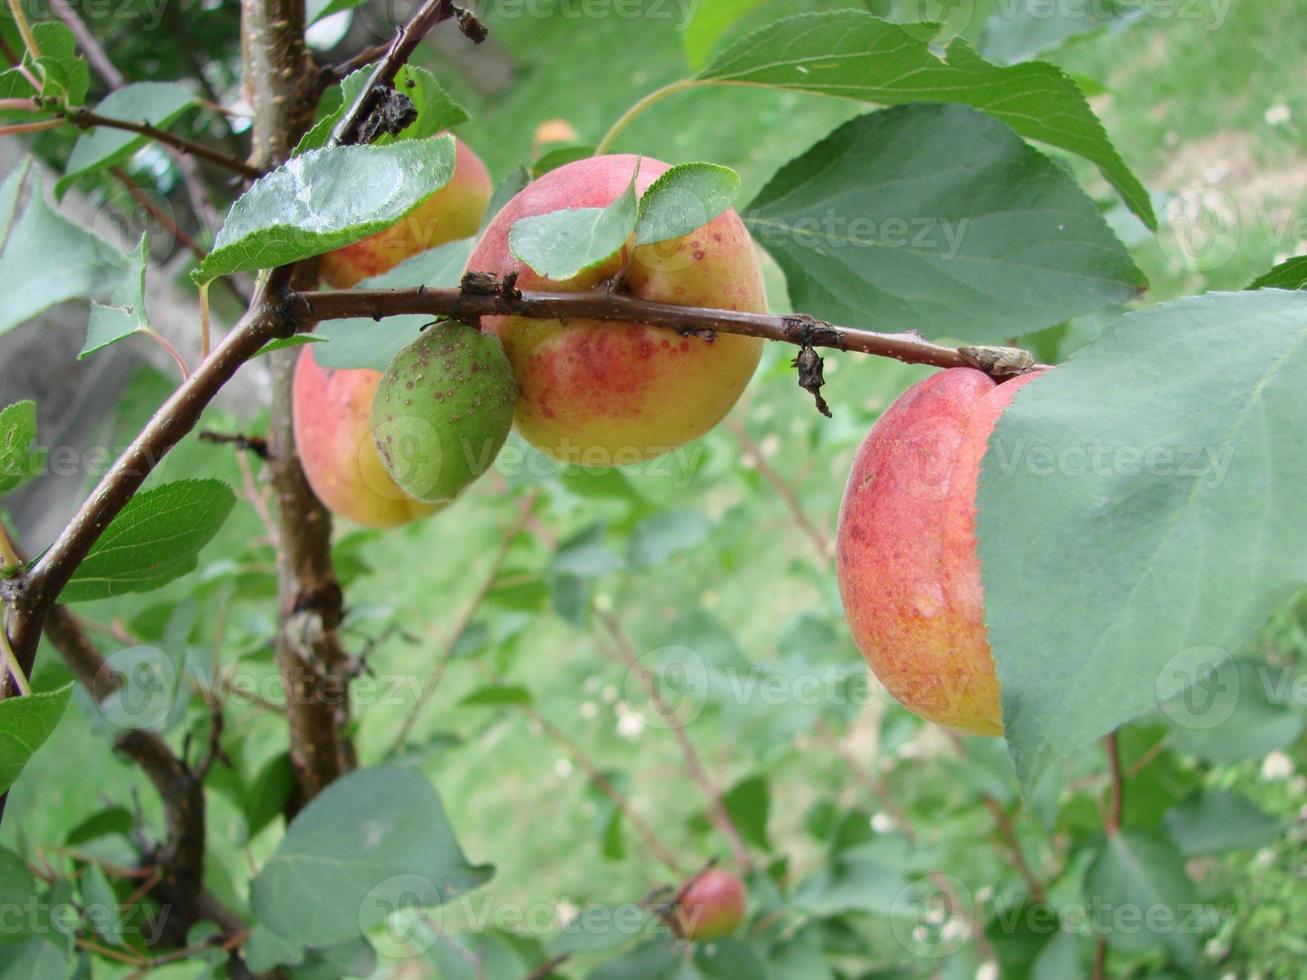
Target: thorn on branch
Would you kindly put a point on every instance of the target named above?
(811, 378)
(255, 444)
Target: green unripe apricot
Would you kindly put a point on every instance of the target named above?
(443, 410)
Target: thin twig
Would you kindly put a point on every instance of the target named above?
(464, 621)
(24, 29)
(694, 767)
(1007, 832)
(786, 492)
(86, 119)
(1117, 796)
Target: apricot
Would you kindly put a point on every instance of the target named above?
(713, 906)
(443, 410)
(604, 393)
(906, 557)
(454, 211)
(333, 432)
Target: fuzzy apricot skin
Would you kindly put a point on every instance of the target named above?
(906, 558)
(454, 211)
(332, 415)
(601, 393)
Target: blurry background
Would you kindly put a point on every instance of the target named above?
(724, 548)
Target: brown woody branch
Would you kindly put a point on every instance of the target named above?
(178, 886)
(480, 300)
(86, 119)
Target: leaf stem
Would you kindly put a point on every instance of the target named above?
(24, 29)
(653, 98)
(11, 663)
(172, 351)
(32, 127)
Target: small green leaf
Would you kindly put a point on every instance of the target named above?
(585, 555)
(496, 694)
(749, 804)
(298, 340)
(125, 314)
(25, 724)
(64, 74)
(367, 343)
(100, 905)
(18, 457)
(1291, 274)
(154, 539)
(156, 103)
(562, 244)
(853, 55)
(684, 198)
(53, 258)
(374, 842)
(318, 9)
(664, 535)
(558, 157)
(1215, 821)
(324, 200)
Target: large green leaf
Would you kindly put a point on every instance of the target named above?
(25, 724)
(154, 539)
(939, 219)
(324, 200)
(18, 460)
(853, 55)
(563, 244)
(706, 23)
(156, 103)
(1215, 821)
(53, 259)
(1141, 514)
(372, 843)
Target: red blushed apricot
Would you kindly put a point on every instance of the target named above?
(713, 907)
(332, 412)
(906, 554)
(454, 211)
(604, 393)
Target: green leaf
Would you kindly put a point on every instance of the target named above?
(154, 539)
(324, 200)
(17, 892)
(662, 536)
(157, 103)
(19, 459)
(1141, 514)
(559, 157)
(749, 804)
(608, 815)
(729, 959)
(318, 9)
(1231, 710)
(1215, 821)
(562, 244)
(374, 842)
(45, 957)
(100, 905)
(585, 555)
(658, 959)
(265, 798)
(684, 198)
(1140, 897)
(946, 223)
(25, 724)
(1291, 274)
(368, 343)
(707, 23)
(54, 259)
(496, 694)
(853, 55)
(1013, 35)
(599, 928)
(285, 343)
(64, 74)
(125, 314)
(437, 111)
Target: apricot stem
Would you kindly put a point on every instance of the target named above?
(654, 97)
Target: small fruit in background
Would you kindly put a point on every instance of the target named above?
(601, 393)
(455, 211)
(712, 906)
(552, 132)
(332, 411)
(906, 554)
(443, 410)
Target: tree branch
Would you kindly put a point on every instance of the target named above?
(480, 297)
(86, 119)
